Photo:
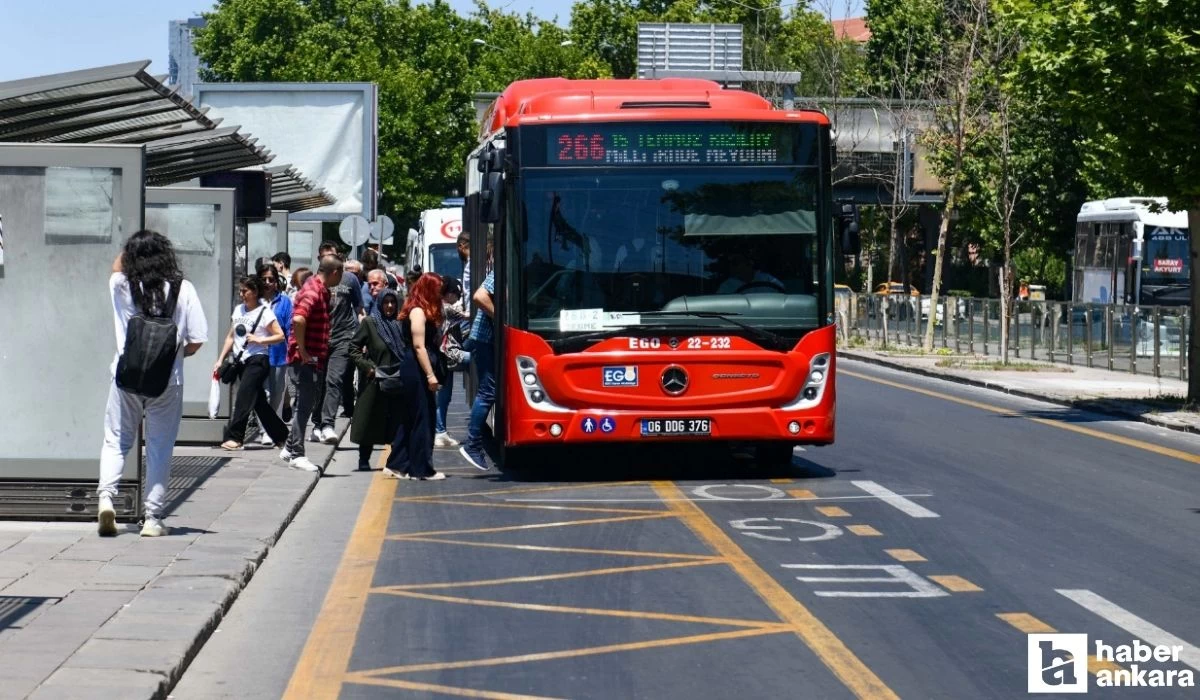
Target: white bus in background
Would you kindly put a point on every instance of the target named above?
(1131, 250)
(434, 244)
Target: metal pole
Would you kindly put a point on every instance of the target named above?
(971, 325)
(986, 303)
(1070, 335)
(1133, 325)
(1087, 321)
(1108, 333)
(1157, 326)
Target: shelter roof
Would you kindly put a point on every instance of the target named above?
(123, 104)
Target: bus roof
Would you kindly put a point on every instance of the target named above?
(1132, 209)
(560, 99)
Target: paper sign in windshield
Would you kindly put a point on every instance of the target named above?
(1168, 265)
(595, 319)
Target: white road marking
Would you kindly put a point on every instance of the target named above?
(697, 500)
(896, 575)
(1143, 630)
(771, 491)
(828, 531)
(895, 500)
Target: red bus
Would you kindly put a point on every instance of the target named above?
(663, 265)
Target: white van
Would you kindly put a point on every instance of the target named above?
(434, 245)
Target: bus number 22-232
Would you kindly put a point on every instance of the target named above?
(720, 342)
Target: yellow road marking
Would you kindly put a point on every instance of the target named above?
(832, 512)
(905, 555)
(955, 584)
(852, 672)
(522, 489)
(1096, 665)
(600, 612)
(434, 688)
(864, 530)
(781, 481)
(575, 653)
(1128, 442)
(1031, 625)
(547, 577)
(530, 526)
(802, 494)
(1026, 623)
(566, 550)
(326, 655)
(580, 509)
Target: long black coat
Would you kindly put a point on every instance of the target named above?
(376, 415)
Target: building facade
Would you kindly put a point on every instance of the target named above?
(184, 65)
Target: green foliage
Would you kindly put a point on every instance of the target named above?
(903, 54)
(415, 54)
(1127, 74)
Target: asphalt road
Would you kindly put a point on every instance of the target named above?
(910, 559)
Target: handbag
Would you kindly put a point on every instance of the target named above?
(232, 366)
(389, 378)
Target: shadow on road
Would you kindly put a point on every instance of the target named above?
(664, 461)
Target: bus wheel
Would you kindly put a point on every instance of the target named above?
(775, 454)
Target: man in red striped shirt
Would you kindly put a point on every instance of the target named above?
(308, 350)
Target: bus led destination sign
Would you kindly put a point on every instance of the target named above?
(672, 144)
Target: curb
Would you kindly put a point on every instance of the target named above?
(984, 384)
(239, 578)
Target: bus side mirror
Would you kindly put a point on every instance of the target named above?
(490, 197)
(848, 217)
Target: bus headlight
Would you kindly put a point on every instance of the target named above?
(814, 384)
(531, 384)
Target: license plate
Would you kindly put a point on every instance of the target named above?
(660, 427)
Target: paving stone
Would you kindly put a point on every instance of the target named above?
(153, 656)
(84, 609)
(158, 627)
(54, 578)
(85, 684)
(120, 573)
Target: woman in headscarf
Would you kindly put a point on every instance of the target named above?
(421, 317)
(378, 413)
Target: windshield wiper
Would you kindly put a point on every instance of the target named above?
(774, 341)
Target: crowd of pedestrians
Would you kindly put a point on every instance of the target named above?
(302, 345)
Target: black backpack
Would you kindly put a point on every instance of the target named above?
(151, 345)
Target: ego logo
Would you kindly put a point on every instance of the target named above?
(621, 376)
(1058, 663)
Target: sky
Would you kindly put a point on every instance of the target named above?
(40, 37)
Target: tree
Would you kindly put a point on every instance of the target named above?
(416, 56)
(1127, 72)
(956, 127)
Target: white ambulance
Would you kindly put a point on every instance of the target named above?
(434, 244)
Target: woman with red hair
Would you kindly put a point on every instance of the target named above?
(421, 319)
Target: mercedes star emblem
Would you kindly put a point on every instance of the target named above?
(674, 380)
(673, 342)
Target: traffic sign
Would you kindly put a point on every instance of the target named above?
(382, 229)
(355, 230)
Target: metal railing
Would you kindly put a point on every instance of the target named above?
(1150, 340)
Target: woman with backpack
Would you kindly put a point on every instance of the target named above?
(158, 322)
(376, 349)
(422, 371)
(253, 330)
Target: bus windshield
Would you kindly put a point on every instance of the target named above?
(734, 240)
(1165, 260)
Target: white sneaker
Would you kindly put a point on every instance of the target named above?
(316, 436)
(106, 516)
(436, 476)
(329, 437)
(266, 441)
(153, 527)
(444, 440)
(303, 464)
(285, 455)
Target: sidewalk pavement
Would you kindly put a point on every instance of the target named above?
(83, 616)
(1130, 396)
